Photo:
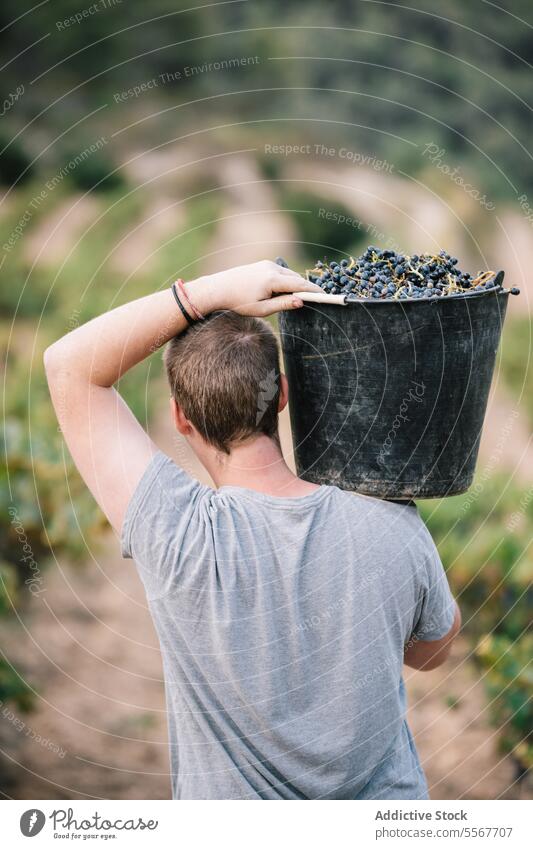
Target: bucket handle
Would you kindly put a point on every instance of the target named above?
(319, 298)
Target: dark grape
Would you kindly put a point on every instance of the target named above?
(389, 274)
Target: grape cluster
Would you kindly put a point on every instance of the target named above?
(387, 274)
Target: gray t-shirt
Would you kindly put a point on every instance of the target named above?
(282, 624)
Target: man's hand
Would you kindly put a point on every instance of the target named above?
(250, 289)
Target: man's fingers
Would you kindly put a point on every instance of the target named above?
(292, 282)
(282, 302)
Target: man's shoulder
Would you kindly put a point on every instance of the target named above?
(387, 520)
(384, 506)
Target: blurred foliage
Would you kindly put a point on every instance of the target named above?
(8, 586)
(389, 77)
(46, 510)
(20, 296)
(95, 172)
(484, 540)
(181, 255)
(516, 365)
(509, 681)
(13, 688)
(321, 230)
(51, 504)
(15, 162)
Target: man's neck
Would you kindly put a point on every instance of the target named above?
(258, 465)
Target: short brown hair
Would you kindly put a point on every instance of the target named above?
(224, 373)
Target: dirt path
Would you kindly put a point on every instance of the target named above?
(89, 648)
(513, 247)
(138, 250)
(507, 442)
(90, 651)
(50, 242)
(449, 717)
(389, 208)
(250, 227)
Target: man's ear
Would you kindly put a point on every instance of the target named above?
(181, 422)
(283, 393)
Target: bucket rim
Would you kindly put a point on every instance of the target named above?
(464, 296)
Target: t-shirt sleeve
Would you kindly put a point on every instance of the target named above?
(436, 604)
(163, 522)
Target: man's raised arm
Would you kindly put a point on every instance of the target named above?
(110, 448)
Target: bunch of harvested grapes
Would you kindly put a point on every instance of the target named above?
(386, 274)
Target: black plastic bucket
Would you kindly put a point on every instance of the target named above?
(387, 398)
